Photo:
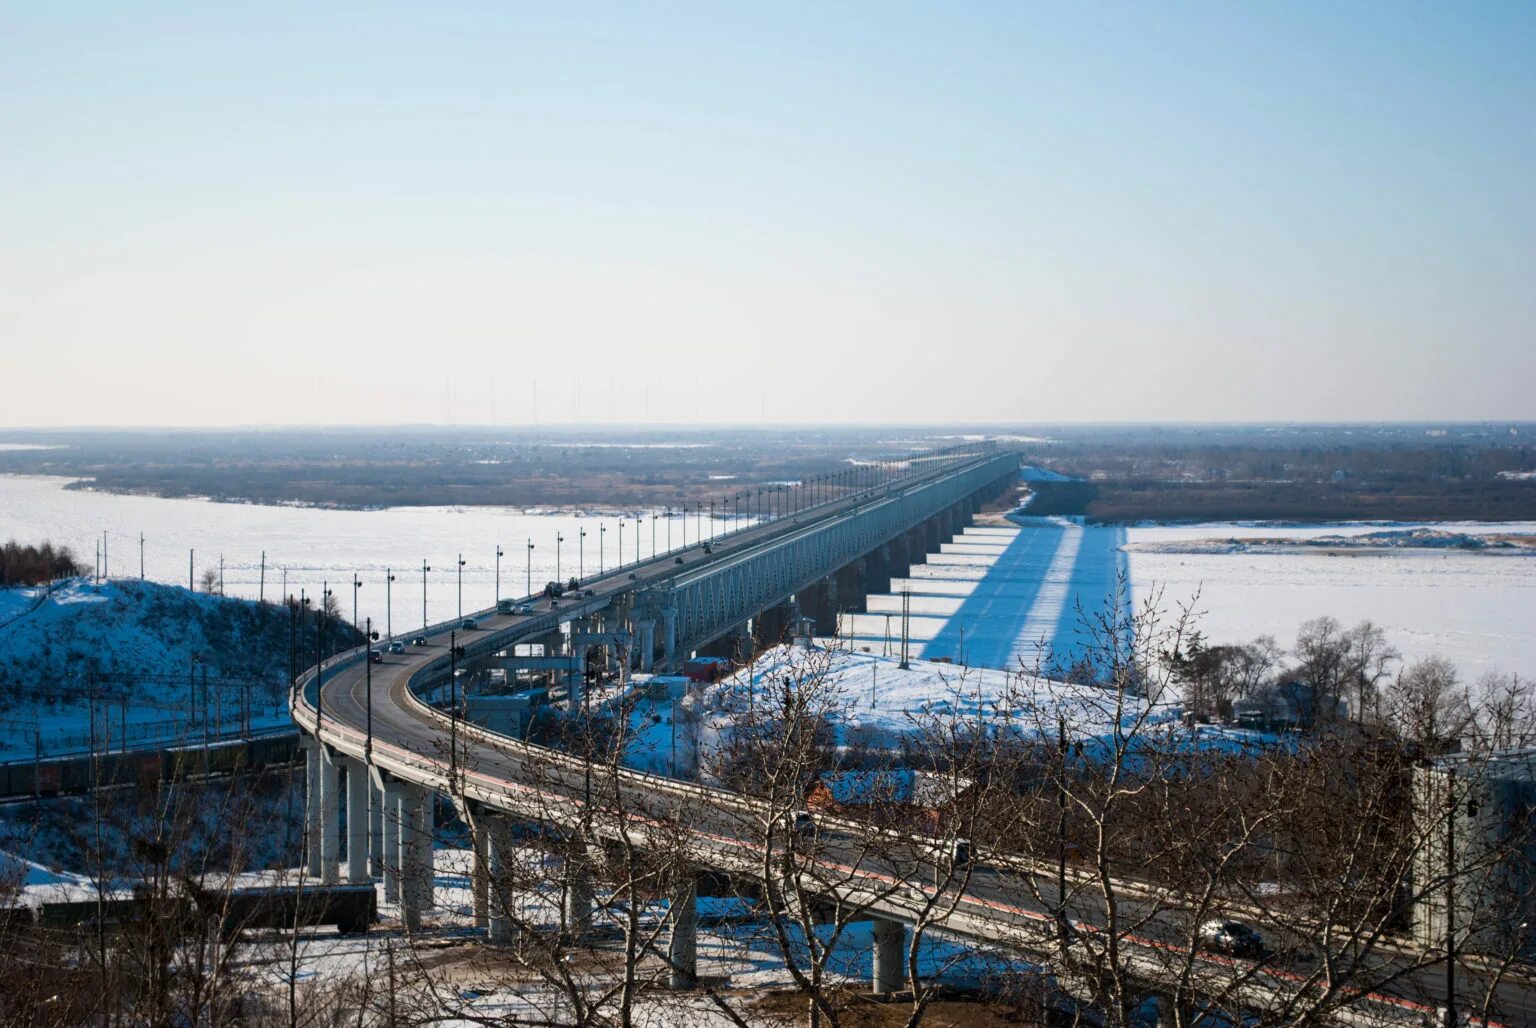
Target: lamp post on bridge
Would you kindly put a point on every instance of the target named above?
(530, 567)
(425, 567)
(498, 574)
(621, 542)
(602, 546)
(559, 538)
(461, 587)
(357, 583)
(389, 616)
(581, 553)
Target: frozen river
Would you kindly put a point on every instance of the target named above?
(995, 591)
(307, 547)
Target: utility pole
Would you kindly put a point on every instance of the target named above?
(141, 556)
(559, 538)
(581, 554)
(530, 567)
(461, 587)
(906, 621)
(498, 574)
(389, 607)
(357, 583)
(191, 576)
(424, 569)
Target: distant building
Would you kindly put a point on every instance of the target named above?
(1488, 806)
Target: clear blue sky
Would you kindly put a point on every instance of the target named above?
(731, 212)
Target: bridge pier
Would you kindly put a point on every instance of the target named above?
(645, 642)
(683, 935)
(933, 535)
(415, 855)
(819, 603)
(877, 572)
(313, 800)
(357, 821)
(889, 966)
(669, 638)
(771, 626)
(499, 872)
(390, 858)
(375, 828)
(330, 817)
(851, 592)
(917, 545)
(577, 874)
(480, 873)
(900, 565)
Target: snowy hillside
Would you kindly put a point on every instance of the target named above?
(142, 652)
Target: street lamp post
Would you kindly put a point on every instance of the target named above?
(669, 529)
(357, 583)
(424, 569)
(621, 542)
(653, 536)
(498, 574)
(389, 618)
(461, 586)
(559, 538)
(581, 553)
(530, 567)
(602, 541)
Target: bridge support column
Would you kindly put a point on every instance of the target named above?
(480, 873)
(901, 556)
(917, 544)
(390, 853)
(771, 626)
(669, 638)
(501, 857)
(819, 603)
(357, 821)
(314, 799)
(851, 591)
(889, 966)
(645, 641)
(877, 572)
(415, 855)
(330, 818)
(578, 891)
(683, 936)
(933, 535)
(375, 829)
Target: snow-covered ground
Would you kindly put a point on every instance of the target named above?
(124, 651)
(1007, 592)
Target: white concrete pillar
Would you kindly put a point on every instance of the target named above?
(391, 848)
(358, 788)
(645, 632)
(330, 817)
(313, 800)
(889, 969)
(683, 936)
(578, 893)
(480, 873)
(669, 638)
(415, 855)
(499, 837)
(376, 849)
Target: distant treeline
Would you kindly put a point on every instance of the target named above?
(35, 565)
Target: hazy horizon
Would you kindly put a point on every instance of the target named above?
(993, 215)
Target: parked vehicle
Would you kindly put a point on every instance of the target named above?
(1232, 937)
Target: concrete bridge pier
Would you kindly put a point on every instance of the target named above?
(819, 603)
(900, 565)
(683, 935)
(358, 788)
(770, 627)
(933, 535)
(577, 874)
(375, 826)
(390, 853)
(669, 638)
(499, 924)
(330, 817)
(851, 591)
(877, 572)
(889, 967)
(480, 872)
(313, 801)
(415, 855)
(645, 642)
(917, 544)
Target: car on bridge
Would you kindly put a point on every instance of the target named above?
(1234, 937)
(418, 640)
(396, 646)
(469, 624)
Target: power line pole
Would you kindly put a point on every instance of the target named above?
(906, 622)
